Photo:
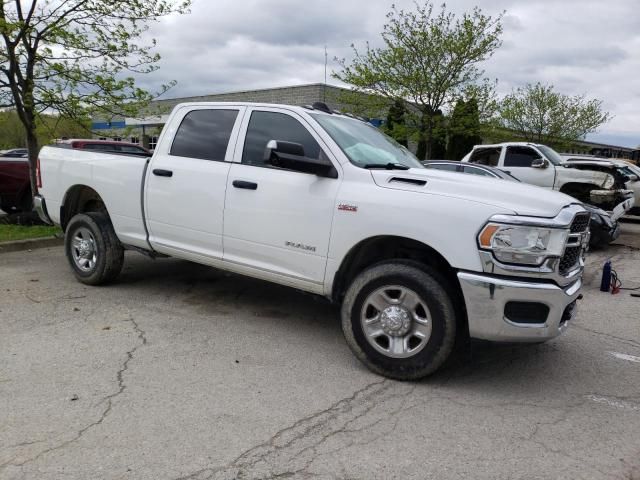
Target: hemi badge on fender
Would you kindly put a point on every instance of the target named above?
(347, 208)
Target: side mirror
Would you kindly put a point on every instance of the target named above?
(291, 156)
(633, 178)
(539, 163)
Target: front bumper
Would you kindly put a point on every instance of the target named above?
(40, 207)
(487, 296)
(622, 208)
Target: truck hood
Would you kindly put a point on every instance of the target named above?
(597, 165)
(519, 198)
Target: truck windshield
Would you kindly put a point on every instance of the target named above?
(364, 144)
(553, 156)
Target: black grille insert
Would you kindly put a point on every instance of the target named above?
(526, 312)
(572, 255)
(570, 259)
(580, 222)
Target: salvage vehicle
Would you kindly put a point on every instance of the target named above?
(630, 171)
(309, 198)
(635, 169)
(588, 181)
(602, 227)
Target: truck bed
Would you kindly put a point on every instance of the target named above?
(119, 178)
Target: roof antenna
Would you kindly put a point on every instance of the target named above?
(324, 89)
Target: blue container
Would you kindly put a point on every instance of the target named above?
(605, 283)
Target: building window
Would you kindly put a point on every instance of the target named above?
(102, 138)
(117, 139)
(153, 141)
(135, 140)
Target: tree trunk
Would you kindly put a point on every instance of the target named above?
(423, 139)
(33, 149)
(421, 151)
(429, 135)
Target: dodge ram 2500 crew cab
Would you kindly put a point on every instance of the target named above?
(594, 183)
(326, 203)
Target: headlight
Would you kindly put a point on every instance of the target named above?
(521, 244)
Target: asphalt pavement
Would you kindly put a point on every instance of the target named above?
(179, 371)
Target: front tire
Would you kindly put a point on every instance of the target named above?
(92, 248)
(399, 320)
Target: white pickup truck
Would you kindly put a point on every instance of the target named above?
(305, 197)
(591, 182)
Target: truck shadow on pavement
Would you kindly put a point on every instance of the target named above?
(202, 290)
(198, 290)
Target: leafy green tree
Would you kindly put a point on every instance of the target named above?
(439, 146)
(48, 128)
(396, 125)
(438, 137)
(537, 113)
(72, 57)
(464, 129)
(428, 58)
(11, 130)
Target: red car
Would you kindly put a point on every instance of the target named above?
(15, 188)
(107, 146)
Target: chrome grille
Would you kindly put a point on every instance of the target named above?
(573, 253)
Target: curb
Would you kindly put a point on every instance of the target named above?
(30, 244)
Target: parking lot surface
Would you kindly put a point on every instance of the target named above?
(179, 371)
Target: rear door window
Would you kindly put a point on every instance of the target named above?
(204, 134)
(520, 156)
(486, 156)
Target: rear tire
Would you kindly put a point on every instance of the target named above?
(399, 320)
(93, 249)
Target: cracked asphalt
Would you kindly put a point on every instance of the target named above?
(179, 371)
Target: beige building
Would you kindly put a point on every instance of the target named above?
(146, 130)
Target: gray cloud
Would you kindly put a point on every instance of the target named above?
(581, 46)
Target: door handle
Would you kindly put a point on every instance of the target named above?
(245, 185)
(162, 173)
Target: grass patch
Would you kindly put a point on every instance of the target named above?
(9, 233)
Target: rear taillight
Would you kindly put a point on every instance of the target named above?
(38, 175)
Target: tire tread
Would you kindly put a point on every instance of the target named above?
(437, 286)
(107, 270)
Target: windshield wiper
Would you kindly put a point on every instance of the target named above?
(387, 166)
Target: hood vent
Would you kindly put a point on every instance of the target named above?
(410, 181)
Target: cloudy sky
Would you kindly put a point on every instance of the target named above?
(582, 47)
